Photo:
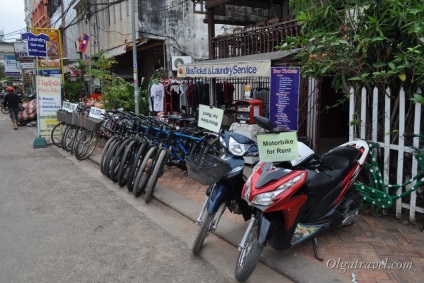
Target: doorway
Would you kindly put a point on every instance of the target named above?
(334, 118)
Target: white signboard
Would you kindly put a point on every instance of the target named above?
(210, 118)
(48, 102)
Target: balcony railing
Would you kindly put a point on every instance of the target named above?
(254, 40)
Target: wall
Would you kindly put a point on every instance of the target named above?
(175, 22)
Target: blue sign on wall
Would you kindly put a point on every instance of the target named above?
(284, 97)
(37, 44)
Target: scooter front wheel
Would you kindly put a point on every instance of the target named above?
(249, 255)
(205, 228)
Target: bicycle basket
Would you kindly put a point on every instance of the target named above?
(206, 169)
(93, 124)
(75, 119)
(61, 115)
(420, 160)
(68, 117)
(82, 119)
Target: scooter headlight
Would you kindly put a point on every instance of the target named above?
(236, 148)
(268, 198)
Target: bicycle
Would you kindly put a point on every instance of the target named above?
(379, 194)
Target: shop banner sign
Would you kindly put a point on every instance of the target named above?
(278, 147)
(21, 51)
(36, 44)
(231, 69)
(49, 101)
(210, 118)
(10, 66)
(284, 97)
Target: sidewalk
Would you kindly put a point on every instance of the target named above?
(353, 251)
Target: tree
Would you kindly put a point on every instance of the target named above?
(117, 93)
(361, 42)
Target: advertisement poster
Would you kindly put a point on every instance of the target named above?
(49, 101)
(284, 97)
(10, 66)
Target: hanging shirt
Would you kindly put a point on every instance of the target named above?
(157, 94)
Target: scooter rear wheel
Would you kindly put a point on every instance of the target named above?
(249, 255)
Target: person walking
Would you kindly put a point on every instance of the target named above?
(12, 101)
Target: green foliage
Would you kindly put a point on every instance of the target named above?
(2, 71)
(72, 90)
(364, 42)
(418, 98)
(117, 93)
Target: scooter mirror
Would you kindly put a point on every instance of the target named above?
(264, 123)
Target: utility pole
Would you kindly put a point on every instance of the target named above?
(134, 50)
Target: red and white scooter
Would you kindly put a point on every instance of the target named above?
(294, 201)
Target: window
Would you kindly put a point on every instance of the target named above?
(199, 7)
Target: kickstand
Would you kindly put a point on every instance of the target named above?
(315, 246)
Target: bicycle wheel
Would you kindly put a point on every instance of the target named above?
(105, 152)
(207, 146)
(127, 163)
(68, 138)
(57, 134)
(136, 165)
(144, 171)
(117, 158)
(86, 144)
(159, 167)
(110, 156)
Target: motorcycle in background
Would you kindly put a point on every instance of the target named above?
(295, 200)
(224, 175)
(29, 113)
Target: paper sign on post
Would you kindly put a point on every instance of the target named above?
(210, 118)
(66, 106)
(96, 112)
(278, 147)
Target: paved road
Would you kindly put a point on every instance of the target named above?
(62, 221)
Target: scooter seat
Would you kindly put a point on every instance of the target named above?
(335, 166)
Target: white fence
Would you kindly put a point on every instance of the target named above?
(376, 128)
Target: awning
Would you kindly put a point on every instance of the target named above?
(116, 51)
(257, 65)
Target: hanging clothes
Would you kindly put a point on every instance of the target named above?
(156, 95)
(219, 90)
(228, 92)
(175, 96)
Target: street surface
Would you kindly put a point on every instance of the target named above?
(61, 220)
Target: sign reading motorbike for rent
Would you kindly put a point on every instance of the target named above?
(49, 101)
(278, 147)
